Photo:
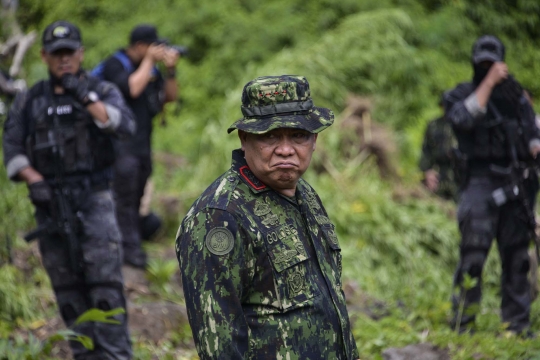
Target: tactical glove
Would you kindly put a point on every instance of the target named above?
(77, 86)
(40, 193)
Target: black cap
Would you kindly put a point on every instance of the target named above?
(61, 35)
(143, 33)
(488, 48)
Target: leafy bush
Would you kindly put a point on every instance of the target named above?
(17, 299)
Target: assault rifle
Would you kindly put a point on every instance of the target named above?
(62, 221)
(516, 174)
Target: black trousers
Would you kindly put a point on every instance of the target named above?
(479, 223)
(99, 282)
(131, 173)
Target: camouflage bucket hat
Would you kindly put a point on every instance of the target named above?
(273, 102)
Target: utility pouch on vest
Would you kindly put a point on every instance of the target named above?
(67, 142)
(41, 145)
(504, 194)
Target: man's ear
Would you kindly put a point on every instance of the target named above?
(315, 141)
(242, 136)
(81, 54)
(43, 55)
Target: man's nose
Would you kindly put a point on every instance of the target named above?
(285, 147)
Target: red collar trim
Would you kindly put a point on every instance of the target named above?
(250, 179)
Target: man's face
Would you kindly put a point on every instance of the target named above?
(279, 157)
(141, 48)
(63, 61)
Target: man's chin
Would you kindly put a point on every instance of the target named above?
(287, 182)
(70, 70)
(287, 176)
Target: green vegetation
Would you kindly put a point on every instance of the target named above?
(400, 249)
(33, 349)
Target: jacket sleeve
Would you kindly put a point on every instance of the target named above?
(121, 119)
(213, 283)
(462, 107)
(531, 131)
(14, 137)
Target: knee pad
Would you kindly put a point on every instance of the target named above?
(71, 304)
(475, 271)
(473, 263)
(68, 313)
(104, 305)
(107, 297)
(112, 340)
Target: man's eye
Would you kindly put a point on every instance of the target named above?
(300, 135)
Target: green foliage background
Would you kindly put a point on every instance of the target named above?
(400, 53)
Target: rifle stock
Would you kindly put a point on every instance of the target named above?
(43, 229)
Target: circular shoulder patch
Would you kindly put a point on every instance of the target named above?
(220, 241)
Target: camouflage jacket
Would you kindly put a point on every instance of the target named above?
(262, 273)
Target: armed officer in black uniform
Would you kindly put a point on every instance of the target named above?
(495, 129)
(58, 139)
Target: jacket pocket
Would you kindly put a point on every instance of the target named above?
(294, 282)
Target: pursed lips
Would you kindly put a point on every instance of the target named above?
(285, 165)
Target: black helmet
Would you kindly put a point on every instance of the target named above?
(487, 48)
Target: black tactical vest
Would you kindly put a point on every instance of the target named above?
(62, 137)
(488, 140)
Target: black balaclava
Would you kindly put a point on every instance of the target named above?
(479, 73)
(58, 80)
(487, 48)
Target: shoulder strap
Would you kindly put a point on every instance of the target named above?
(120, 56)
(124, 59)
(42, 88)
(128, 66)
(222, 191)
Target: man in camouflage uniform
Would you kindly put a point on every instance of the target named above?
(260, 259)
(58, 140)
(437, 161)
